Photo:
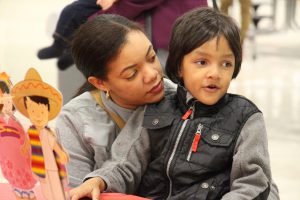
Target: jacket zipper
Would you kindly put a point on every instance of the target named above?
(173, 154)
(196, 140)
(189, 113)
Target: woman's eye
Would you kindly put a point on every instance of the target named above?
(152, 58)
(132, 75)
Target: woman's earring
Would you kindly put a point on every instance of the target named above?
(107, 95)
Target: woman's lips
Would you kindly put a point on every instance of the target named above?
(157, 88)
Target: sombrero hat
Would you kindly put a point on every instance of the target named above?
(33, 85)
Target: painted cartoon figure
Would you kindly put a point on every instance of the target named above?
(40, 102)
(14, 146)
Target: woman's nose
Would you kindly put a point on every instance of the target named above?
(150, 73)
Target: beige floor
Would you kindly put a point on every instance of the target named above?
(272, 81)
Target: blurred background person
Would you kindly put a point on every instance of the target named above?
(71, 17)
(245, 9)
(157, 16)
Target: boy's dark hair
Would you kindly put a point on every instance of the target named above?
(97, 42)
(38, 99)
(196, 27)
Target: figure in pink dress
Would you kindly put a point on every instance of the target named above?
(14, 146)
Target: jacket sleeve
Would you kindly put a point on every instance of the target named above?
(130, 8)
(251, 173)
(78, 131)
(69, 128)
(130, 156)
(274, 193)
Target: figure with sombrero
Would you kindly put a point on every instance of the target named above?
(40, 102)
(14, 146)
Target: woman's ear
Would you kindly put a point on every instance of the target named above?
(98, 83)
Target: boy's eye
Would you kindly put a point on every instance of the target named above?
(226, 64)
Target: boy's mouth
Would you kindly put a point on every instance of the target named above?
(211, 88)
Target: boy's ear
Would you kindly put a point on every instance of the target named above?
(98, 83)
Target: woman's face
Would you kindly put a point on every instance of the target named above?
(135, 76)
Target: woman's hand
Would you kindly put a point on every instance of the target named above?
(90, 188)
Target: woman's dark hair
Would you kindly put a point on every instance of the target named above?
(97, 42)
(196, 27)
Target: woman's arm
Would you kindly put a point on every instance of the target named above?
(86, 132)
(130, 154)
(69, 128)
(251, 172)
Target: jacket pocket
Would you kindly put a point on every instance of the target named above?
(154, 122)
(217, 138)
(213, 151)
(159, 133)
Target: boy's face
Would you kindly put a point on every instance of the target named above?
(37, 113)
(208, 69)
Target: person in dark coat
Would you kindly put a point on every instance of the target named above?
(157, 16)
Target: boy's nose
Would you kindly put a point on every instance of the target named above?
(213, 71)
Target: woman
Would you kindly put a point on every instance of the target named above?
(118, 60)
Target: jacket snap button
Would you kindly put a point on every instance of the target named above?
(215, 137)
(204, 185)
(212, 187)
(155, 122)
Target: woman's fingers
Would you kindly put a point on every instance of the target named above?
(96, 194)
(79, 192)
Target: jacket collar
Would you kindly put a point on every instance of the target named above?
(186, 100)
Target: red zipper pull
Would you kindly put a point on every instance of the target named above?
(187, 114)
(196, 140)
